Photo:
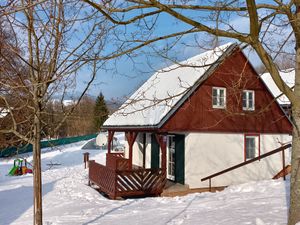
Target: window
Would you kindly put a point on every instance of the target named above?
(171, 157)
(252, 146)
(248, 100)
(219, 97)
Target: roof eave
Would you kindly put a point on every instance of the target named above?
(210, 71)
(131, 127)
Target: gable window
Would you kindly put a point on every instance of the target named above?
(219, 97)
(252, 146)
(248, 100)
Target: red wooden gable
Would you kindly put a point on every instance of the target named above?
(236, 74)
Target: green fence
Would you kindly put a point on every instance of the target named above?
(44, 144)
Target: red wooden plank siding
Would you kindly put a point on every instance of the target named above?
(236, 74)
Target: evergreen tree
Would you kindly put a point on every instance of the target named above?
(100, 112)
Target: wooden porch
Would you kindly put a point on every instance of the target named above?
(120, 178)
(117, 180)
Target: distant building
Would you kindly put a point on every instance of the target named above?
(3, 112)
(288, 77)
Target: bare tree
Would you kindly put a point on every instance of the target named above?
(268, 28)
(79, 123)
(49, 45)
(8, 62)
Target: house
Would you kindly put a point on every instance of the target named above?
(288, 76)
(3, 112)
(193, 119)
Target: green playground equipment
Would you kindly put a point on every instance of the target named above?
(13, 171)
(18, 168)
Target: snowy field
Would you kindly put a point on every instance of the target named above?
(68, 200)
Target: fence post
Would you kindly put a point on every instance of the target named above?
(85, 159)
(90, 164)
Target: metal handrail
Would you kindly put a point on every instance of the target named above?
(282, 148)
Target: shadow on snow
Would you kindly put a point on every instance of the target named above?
(14, 202)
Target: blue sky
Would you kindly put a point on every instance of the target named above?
(129, 76)
(123, 76)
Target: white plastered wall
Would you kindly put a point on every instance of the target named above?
(207, 153)
(137, 151)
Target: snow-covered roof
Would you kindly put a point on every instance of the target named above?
(288, 77)
(160, 93)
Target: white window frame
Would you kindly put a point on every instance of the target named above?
(171, 150)
(218, 106)
(247, 108)
(256, 149)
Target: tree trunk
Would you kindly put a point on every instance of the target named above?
(294, 212)
(37, 176)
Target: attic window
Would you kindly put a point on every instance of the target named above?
(248, 100)
(218, 97)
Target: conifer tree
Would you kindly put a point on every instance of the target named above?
(100, 112)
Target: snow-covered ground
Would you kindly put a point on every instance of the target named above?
(68, 200)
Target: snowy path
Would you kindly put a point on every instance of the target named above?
(68, 200)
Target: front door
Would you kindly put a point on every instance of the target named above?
(154, 152)
(171, 157)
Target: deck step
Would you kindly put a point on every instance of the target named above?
(175, 189)
(283, 172)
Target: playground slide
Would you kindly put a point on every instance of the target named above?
(12, 171)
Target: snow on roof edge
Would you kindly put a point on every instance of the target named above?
(210, 56)
(288, 77)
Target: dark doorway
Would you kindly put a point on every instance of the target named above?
(154, 152)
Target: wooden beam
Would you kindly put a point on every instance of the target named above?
(130, 136)
(109, 140)
(162, 140)
(144, 150)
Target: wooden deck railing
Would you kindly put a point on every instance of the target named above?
(116, 161)
(140, 182)
(117, 154)
(281, 149)
(103, 176)
(124, 183)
